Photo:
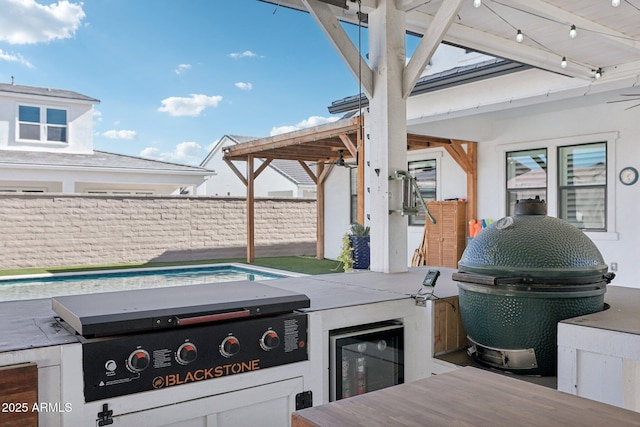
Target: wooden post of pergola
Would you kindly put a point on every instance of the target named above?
(468, 161)
(251, 251)
(320, 145)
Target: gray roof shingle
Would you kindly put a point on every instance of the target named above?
(99, 159)
(41, 91)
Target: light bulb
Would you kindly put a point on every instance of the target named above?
(563, 63)
(615, 3)
(519, 36)
(477, 3)
(573, 32)
(598, 73)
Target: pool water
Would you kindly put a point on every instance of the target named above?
(106, 281)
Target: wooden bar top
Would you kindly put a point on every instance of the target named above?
(465, 397)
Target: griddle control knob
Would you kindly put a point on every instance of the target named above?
(110, 365)
(186, 353)
(269, 340)
(138, 361)
(229, 346)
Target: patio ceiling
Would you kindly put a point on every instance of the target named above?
(608, 38)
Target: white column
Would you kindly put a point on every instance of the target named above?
(387, 136)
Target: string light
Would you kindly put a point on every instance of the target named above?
(573, 32)
(563, 63)
(615, 3)
(598, 73)
(519, 36)
(477, 3)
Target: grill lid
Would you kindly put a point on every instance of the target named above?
(534, 245)
(111, 313)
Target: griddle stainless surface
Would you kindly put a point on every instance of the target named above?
(112, 313)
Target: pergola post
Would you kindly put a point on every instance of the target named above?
(320, 211)
(251, 251)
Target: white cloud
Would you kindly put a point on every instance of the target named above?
(182, 68)
(244, 85)
(10, 57)
(186, 153)
(193, 106)
(310, 122)
(120, 134)
(97, 115)
(245, 54)
(28, 22)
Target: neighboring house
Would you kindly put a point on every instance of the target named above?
(282, 178)
(571, 137)
(46, 145)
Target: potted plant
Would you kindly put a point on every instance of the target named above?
(359, 241)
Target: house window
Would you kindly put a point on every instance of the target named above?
(526, 176)
(21, 190)
(582, 185)
(424, 172)
(42, 124)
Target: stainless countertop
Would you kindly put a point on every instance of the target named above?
(31, 324)
(623, 314)
(329, 291)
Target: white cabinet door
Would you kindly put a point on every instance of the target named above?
(268, 405)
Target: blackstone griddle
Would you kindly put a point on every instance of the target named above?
(124, 312)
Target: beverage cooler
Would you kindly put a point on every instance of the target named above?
(365, 358)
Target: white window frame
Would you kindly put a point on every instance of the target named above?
(43, 124)
(432, 154)
(610, 138)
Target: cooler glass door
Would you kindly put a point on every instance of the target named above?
(366, 360)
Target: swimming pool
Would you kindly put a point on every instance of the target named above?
(41, 286)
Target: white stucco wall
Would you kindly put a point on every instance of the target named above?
(337, 210)
(67, 180)
(532, 109)
(583, 116)
(79, 119)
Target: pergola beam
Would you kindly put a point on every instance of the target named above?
(319, 133)
(236, 171)
(429, 43)
(342, 43)
(320, 144)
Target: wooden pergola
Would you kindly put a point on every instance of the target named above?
(324, 145)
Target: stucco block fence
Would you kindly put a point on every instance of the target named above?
(47, 230)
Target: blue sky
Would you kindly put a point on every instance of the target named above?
(172, 76)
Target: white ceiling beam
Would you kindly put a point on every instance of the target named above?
(557, 14)
(430, 41)
(498, 46)
(342, 43)
(409, 5)
(484, 42)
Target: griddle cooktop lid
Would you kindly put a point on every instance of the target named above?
(112, 313)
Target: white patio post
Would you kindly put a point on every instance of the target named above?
(386, 138)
